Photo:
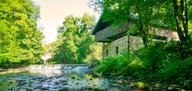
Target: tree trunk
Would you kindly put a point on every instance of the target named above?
(186, 18)
(141, 25)
(142, 32)
(178, 20)
(183, 15)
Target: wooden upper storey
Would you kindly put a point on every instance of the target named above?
(105, 32)
(111, 33)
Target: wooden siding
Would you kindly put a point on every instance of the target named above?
(111, 33)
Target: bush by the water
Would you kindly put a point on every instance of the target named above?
(124, 64)
(164, 62)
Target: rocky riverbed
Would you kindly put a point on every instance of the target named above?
(54, 78)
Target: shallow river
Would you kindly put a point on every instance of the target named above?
(55, 78)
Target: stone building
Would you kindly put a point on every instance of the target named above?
(115, 39)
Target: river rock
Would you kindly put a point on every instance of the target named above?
(44, 87)
(56, 82)
(29, 89)
(10, 89)
(81, 70)
(77, 83)
(64, 89)
(21, 82)
(65, 83)
(73, 77)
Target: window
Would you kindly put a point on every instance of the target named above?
(117, 50)
(107, 52)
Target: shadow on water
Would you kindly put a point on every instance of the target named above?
(54, 78)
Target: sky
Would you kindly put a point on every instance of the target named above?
(53, 12)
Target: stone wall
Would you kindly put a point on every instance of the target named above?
(168, 33)
(121, 45)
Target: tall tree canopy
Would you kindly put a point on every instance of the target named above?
(147, 13)
(20, 40)
(76, 39)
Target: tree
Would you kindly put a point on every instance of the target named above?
(149, 13)
(143, 13)
(76, 39)
(20, 40)
(182, 11)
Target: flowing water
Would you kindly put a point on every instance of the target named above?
(54, 78)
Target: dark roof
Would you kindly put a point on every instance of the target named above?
(101, 24)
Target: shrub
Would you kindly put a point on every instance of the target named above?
(109, 65)
(124, 64)
(169, 63)
(176, 72)
(152, 57)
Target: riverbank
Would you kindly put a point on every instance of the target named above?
(60, 77)
(146, 84)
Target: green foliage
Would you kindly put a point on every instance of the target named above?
(152, 56)
(125, 64)
(159, 62)
(173, 14)
(136, 64)
(143, 13)
(176, 72)
(76, 39)
(20, 40)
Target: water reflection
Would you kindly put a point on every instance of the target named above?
(48, 72)
(54, 78)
